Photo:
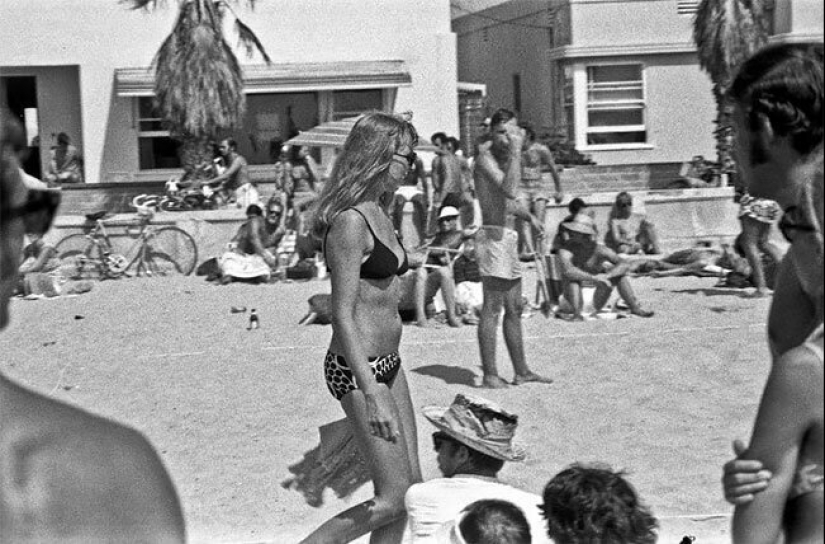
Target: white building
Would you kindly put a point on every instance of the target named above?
(81, 67)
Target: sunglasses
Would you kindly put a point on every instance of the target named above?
(411, 158)
(792, 222)
(37, 213)
(439, 439)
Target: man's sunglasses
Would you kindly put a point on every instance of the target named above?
(792, 222)
(411, 158)
(37, 213)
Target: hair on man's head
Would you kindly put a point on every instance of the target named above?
(576, 205)
(784, 83)
(584, 504)
(501, 115)
(493, 521)
(438, 137)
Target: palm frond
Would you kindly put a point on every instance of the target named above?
(249, 41)
(143, 4)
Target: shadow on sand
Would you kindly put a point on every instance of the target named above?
(715, 292)
(454, 375)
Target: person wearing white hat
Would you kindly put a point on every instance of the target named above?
(582, 259)
(437, 273)
(473, 441)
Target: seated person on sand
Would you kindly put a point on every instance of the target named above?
(469, 294)
(593, 503)
(630, 233)
(436, 273)
(583, 260)
(40, 269)
(248, 259)
(474, 439)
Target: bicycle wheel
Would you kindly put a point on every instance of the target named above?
(171, 251)
(79, 257)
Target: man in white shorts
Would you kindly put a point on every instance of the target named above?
(497, 172)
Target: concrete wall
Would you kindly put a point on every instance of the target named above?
(100, 36)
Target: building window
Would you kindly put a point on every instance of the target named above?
(155, 147)
(615, 105)
(353, 103)
(568, 103)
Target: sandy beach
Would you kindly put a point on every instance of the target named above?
(230, 409)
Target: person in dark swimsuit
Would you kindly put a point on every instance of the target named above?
(362, 367)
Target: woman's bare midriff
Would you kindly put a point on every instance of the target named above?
(376, 318)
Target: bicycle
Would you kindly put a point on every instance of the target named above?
(156, 251)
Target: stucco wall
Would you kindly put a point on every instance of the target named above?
(619, 22)
(492, 53)
(679, 112)
(100, 36)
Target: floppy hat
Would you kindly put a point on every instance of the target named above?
(581, 223)
(448, 211)
(478, 424)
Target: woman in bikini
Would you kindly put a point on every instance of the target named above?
(362, 367)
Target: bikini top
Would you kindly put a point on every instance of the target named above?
(382, 261)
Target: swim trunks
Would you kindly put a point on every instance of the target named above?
(497, 252)
(340, 380)
(760, 209)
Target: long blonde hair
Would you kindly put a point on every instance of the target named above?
(361, 170)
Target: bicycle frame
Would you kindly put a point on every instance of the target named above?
(110, 264)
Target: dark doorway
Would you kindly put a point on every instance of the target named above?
(21, 97)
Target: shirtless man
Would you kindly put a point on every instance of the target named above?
(236, 174)
(67, 475)
(497, 172)
(583, 259)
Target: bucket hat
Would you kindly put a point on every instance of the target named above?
(581, 223)
(478, 424)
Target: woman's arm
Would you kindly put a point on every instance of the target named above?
(256, 225)
(785, 414)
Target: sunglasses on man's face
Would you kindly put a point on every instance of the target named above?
(37, 212)
(410, 158)
(793, 222)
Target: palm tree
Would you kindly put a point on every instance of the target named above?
(727, 32)
(198, 79)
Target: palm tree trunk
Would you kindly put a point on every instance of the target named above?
(724, 136)
(196, 154)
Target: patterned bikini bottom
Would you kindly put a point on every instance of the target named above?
(340, 380)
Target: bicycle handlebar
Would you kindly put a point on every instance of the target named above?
(146, 205)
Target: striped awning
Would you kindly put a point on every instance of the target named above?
(281, 78)
(334, 134)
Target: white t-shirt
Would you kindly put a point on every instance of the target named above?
(435, 502)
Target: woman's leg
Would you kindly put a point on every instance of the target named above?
(752, 231)
(447, 285)
(394, 467)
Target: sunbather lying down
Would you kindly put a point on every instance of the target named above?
(701, 261)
